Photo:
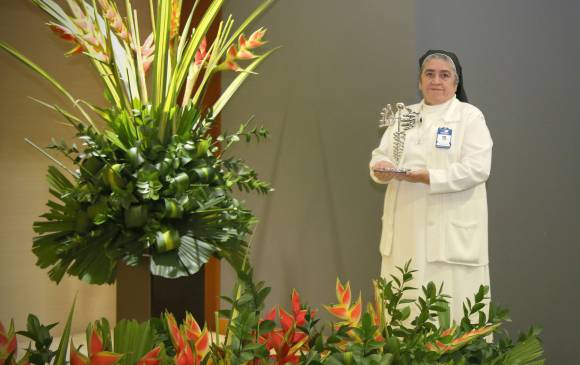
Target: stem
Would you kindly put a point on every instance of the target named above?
(60, 164)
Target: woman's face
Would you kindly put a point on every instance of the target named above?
(437, 82)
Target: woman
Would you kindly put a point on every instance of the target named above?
(436, 213)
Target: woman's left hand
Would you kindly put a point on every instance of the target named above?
(417, 176)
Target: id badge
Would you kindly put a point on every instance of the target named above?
(443, 137)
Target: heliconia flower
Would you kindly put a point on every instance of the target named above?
(343, 293)
(96, 343)
(448, 332)
(62, 32)
(198, 336)
(376, 318)
(299, 313)
(244, 54)
(285, 343)
(114, 19)
(230, 65)
(150, 358)
(76, 358)
(175, 17)
(8, 344)
(190, 334)
(67, 35)
(94, 358)
(271, 315)
(84, 24)
(92, 40)
(76, 9)
(174, 332)
(185, 357)
(242, 41)
(255, 40)
(464, 339)
(147, 52)
(201, 53)
(192, 329)
(349, 314)
(232, 53)
(356, 310)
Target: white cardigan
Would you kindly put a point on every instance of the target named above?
(457, 202)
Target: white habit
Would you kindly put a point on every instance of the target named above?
(442, 227)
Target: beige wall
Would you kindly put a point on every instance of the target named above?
(24, 288)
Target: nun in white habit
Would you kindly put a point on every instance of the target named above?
(436, 212)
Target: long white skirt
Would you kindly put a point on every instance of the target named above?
(459, 281)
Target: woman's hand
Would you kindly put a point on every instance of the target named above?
(383, 176)
(417, 176)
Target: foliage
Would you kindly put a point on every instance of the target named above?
(150, 179)
(384, 334)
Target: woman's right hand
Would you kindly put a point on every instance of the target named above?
(381, 175)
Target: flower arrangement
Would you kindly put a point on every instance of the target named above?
(384, 334)
(151, 180)
(150, 177)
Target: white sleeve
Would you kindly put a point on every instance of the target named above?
(379, 154)
(474, 164)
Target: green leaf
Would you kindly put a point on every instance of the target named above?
(266, 326)
(40, 71)
(187, 260)
(132, 339)
(182, 68)
(60, 358)
(525, 353)
(160, 64)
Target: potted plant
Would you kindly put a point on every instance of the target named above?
(149, 179)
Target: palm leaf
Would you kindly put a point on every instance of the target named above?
(186, 260)
(132, 339)
(528, 352)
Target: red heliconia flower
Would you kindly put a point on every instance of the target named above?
(62, 32)
(230, 65)
(174, 332)
(286, 342)
(232, 53)
(447, 346)
(96, 355)
(182, 339)
(201, 53)
(349, 314)
(150, 358)
(67, 35)
(8, 344)
(185, 357)
(255, 40)
(242, 41)
(244, 54)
